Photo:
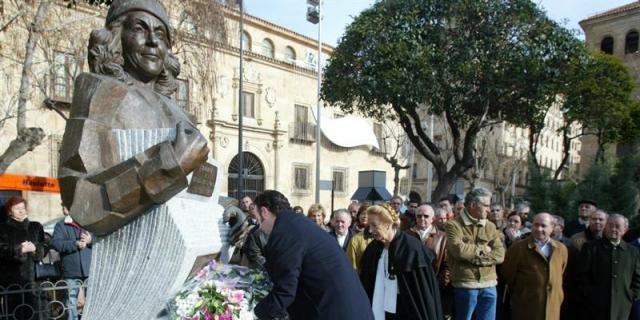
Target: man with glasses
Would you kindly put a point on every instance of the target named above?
(436, 240)
(474, 248)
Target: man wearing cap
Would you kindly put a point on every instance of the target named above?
(585, 208)
(125, 102)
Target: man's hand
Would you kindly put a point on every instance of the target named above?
(81, 244)
(27, 247)
(86, 237)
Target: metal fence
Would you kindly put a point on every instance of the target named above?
(36, 301)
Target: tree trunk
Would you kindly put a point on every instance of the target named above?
(601, 144)
(25, 83)
(445, 183)
(396, 179)
(566, 149)
(26, 141)
(27, 138)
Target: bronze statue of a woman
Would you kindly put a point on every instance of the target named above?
(127, 145)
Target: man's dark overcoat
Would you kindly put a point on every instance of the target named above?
(311, 275)
(608, 279)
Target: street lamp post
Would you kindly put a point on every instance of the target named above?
(240, 107)
(314, 15)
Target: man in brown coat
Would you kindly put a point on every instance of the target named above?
(533, 271)
(436, 241)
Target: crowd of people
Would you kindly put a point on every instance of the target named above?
(23, 247)
(465, 259)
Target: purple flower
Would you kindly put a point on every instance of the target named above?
(208, 315)
(227, 315)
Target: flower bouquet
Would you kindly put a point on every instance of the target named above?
(220, 292)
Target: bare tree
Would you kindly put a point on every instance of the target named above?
(27, 138)
(392, 141)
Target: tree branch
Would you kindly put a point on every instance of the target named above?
(25, 84)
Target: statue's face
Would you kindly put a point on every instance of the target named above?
(144, 45)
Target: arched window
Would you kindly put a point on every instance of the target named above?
(253, 176)
(267, 48)
(631, 42)
(289, 55)
(246, 41)
(606, 45)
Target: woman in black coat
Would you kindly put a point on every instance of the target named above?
(397, 271)
(21, 247)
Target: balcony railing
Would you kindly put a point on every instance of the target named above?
(302, 132)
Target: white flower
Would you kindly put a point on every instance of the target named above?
(245, 314)
(185, 307)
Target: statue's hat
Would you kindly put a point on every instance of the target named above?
(120, 7)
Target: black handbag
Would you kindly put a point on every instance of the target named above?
(47, 270)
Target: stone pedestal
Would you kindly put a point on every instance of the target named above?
(138, 268)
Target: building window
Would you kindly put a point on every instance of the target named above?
(267, 48)
(289, 55)
(246, 41)
(302, 130)
(248, 105)
(606, 45)
(631, 42)
(414, 170)
(301, 177)
(62, 77)
(339, 180)
(252, 176)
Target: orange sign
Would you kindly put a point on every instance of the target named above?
(28, 183)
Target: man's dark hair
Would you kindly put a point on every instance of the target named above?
(272, 200)
(445, 199)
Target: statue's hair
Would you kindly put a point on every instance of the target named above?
(105, 57)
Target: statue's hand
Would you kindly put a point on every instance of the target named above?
(190, 146)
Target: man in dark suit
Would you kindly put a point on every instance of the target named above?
(340, 222)
(609, 273)
(312, 278)
(585, 208)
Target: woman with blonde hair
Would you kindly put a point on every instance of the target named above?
(317, 215)
(397, 271)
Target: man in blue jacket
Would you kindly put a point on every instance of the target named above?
(312, 278)
(74, 245)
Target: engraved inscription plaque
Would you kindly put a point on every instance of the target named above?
(203, 180)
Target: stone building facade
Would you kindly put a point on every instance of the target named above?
(617, 32)
(279, 94)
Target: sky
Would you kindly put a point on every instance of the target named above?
(291, 14)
